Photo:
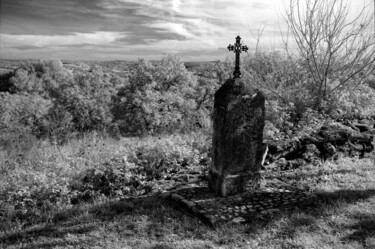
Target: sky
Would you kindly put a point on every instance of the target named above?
(195, 30)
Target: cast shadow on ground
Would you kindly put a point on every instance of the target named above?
(160, 211)
(362, 228)
(74, 227)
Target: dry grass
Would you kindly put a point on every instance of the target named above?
(44, 162)
(343, 217)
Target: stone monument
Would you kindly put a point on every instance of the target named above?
(238, 122)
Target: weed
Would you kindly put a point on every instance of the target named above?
(65, 196)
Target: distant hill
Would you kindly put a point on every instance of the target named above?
(12, 64)
(117, 66)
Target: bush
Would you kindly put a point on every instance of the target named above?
(284, 81)
(17, 142)
(20, 120)
(42, 78)
(354, 101)
(47, 100)
(5, 84)
(290, 93)
(370, 81)
(57, 125)
(210, 77)
(159, 99)
(52, 102)
(87, 100)
(30, 109)
(164, 156)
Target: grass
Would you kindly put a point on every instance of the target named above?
(343, 216)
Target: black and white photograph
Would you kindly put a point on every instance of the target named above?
(163, 124)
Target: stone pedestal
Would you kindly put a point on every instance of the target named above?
(238, 121)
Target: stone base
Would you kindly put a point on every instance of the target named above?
(233, 184)
(273, 197)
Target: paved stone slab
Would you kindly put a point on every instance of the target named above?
(242, 207)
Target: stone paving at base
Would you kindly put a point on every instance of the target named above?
(273, 197)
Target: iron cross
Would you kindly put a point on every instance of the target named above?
(237, 48)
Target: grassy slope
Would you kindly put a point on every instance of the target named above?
(344, 216)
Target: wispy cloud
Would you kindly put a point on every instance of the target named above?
(152, 26)
(96, 38)
(125, 29)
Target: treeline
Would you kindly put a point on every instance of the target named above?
(51, 101)
(47, 100)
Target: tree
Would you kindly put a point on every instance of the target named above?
(87, 99)
(257, 37)
(41, 78)
(336, 50)
(159, 98)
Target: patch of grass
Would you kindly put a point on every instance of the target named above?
(342, 217)
(345, 173)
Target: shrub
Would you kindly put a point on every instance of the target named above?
(5, 84)
(354, 101)
(17, 142)
(370, 81)
(285, 82)
(87, 99)
(290, 93)
(57, 125)
(68, 102)
(41, 78)
(22, 109)
(31, 109)
(159, 98)
(20, 117)
(210, 77)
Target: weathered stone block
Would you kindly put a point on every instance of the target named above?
(237, 149)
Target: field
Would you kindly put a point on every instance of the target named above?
(90, 151)
(77, 139)
(343, 216)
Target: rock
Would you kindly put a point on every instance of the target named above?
(363, 127)
(238, 220)
(270, 211)
(328, 150)
(366, 122)
(282, 162)
(237, 149)
(330, 141)
(311, 152)
(354, 127)
(296, 163)
(283, 148)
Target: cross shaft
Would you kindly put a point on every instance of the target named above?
(237, 48)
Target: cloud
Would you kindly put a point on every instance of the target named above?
(260, 5)
(176, 28)
(205, 19)
(96, 38)
(117, 28)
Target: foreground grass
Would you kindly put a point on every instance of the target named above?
(343, 216)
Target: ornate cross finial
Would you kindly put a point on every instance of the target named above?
(237, 48)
